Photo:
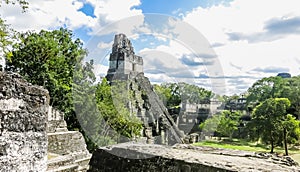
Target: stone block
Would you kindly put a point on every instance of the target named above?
(133, 157)
(23, 122)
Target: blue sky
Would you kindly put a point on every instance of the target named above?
(175, 7)
(220, 45)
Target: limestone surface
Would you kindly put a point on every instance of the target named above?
(150, 157)
(23, 124)
(67, 149)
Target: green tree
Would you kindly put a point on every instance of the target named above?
(210, 125)
(175, 93)
(291, 90)
(114, 112)
(229, 122)
(7, 34)
(164, 93)
(276, 87)
(291, 130)
(48, 59)
(270, 118)
(7, 37)
(224, 123)
(265, 88)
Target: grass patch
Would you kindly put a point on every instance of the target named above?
(232, 145)
(248, 146)
(296, 157)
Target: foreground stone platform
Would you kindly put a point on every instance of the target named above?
(150, 157)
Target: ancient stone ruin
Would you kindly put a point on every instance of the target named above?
(66, 149)
(23, 125)
(125, 66)
(33, 135)
(123, 63)
(132, 157)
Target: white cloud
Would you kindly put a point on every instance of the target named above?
(46, 15)
(49, 14)
(248, 17)
(104, 45)
(109, 11)
(100, 70)
(237, 58)
(114, 10)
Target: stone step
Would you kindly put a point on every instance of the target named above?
(83, 164)
(81, 155)
(57, 162)
(83, 168)
(83, 161)
(66, 168)
(61, 130)
(61, 133)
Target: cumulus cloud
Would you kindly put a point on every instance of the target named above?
(158, 62)
(51, 14)
(47, 15)
(249, 35)
(271, 69)
(275, 28)
(100, 71)
(196, 60)
(105, 45)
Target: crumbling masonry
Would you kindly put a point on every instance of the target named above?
(124, 65)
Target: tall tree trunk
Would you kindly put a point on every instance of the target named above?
(272, 143)
(285, 141)
(230, 136)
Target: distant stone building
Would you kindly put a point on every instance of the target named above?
(192, 114)
(284, 75)
(236, 104)
(123, 63)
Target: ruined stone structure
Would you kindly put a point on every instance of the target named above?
(33, 136)
(124, 65)
(66, 149)
(152, 158)
(192, 114)
(237, 104)
(23, 121)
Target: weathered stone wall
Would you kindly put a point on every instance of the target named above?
(56, 122)
(23, 121)
(67, 149)
(155, 109)
(110, 162)
(66, 142)
(132, 157)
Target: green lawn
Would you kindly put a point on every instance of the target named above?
(248, 146)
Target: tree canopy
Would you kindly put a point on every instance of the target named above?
(112, 107)
(272, 122)
(276, 87)
(224, 123)
(173, 94)
(54, 60)
(48, 58)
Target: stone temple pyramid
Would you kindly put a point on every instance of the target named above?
(124, 65)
